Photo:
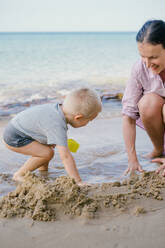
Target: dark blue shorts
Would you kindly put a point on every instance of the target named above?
(15, 138)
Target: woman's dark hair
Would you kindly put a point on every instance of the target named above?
(152, 32)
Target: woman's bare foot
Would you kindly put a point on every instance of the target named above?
(154, 154)
(18, 178)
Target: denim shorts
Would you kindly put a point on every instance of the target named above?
(15, 138)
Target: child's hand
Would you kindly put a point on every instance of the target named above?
(18, 178)
(81, 184)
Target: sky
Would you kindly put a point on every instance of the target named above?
(78, 15)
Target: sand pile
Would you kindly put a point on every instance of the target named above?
(43, 200)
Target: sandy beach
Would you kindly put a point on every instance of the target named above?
(123, 214)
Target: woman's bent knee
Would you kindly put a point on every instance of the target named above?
(150, 105)
(163, 113)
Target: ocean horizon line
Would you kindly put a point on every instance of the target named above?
(65, 32)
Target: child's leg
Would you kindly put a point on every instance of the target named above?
(41, 155)
(44, 167)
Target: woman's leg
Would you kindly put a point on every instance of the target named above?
(41, 155)
(150, 109)
(163, 113)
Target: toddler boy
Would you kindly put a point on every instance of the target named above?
(38, 130)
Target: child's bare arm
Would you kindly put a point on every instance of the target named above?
(69, 163)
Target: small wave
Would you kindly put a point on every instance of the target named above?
(16, 107)
(11, 108)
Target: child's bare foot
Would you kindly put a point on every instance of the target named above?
(18, 178)
(43, 168)
(154, 154)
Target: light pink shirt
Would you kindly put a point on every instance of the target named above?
(141, 82)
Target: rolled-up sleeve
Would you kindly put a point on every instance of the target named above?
(132, 94)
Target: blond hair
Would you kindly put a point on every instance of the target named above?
(82, 101)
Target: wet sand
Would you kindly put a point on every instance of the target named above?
(129, 213)
(118, 231)
(111, 215)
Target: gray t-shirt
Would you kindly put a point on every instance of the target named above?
(45, 123)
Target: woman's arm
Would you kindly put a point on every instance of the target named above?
(129, 133)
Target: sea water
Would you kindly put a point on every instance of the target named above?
(40, 66)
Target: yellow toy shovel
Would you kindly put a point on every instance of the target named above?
(73, 145)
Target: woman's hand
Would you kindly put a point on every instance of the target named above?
(133, 166)
(161, 161)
